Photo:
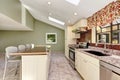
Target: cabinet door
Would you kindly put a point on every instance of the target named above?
(92, 72)
(78, 62)
(115, 76)
(84, 68)
(78, 66)
(87, 66)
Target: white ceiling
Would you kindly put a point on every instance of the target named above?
(62, 10)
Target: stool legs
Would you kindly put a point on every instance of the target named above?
(17, 66)
(5, 69)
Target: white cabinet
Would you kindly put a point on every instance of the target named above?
(92, 72)
(87, 66)
(35, 67)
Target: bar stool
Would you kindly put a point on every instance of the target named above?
(21, 48)
(9, 58)
(28, 47)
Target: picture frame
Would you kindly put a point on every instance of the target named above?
(51, 38)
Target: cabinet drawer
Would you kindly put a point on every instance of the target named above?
(90, 59)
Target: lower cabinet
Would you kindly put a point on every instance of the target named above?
(35, 67)
(87, 66)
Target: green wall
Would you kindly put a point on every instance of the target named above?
(37, 36)
(29, 20)
(11, 8)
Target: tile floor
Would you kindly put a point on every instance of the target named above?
(59, 69)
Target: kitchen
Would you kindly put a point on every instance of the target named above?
(85, 38)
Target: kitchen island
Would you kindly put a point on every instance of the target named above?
(34, 64)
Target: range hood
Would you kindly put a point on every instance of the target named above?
(80, 30)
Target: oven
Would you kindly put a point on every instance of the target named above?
(72, 52)
(72, 57)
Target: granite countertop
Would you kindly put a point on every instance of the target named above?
(73, 45)
(112, 59)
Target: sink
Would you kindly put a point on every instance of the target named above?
(97, 53)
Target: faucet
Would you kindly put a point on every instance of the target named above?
(105, 45)
(99, 41)
(105, 48)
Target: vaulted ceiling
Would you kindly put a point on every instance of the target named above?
(63, 10)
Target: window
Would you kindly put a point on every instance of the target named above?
(103, 34)
(109, 34)
(51, 38)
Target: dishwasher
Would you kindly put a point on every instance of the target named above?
(109, 72)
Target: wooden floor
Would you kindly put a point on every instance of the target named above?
(59, 69)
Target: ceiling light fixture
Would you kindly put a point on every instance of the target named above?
(56, 20)
(49, 3)
(74, 2)
(75, 13)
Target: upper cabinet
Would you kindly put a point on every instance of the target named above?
(79, 28)
(12, 16)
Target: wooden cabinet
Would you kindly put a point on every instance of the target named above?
(87, 66)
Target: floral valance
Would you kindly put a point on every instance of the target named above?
(105, 15)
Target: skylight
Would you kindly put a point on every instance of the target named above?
(56, 20)
(74, 2)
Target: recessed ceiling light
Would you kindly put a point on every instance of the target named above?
(75, 13)
(56, 20)
(49, 3)
(74, 2)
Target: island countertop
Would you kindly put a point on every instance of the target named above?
(34, 51)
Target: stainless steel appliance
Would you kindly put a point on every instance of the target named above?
(72, 56)
(72, 52)
(109, 72)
